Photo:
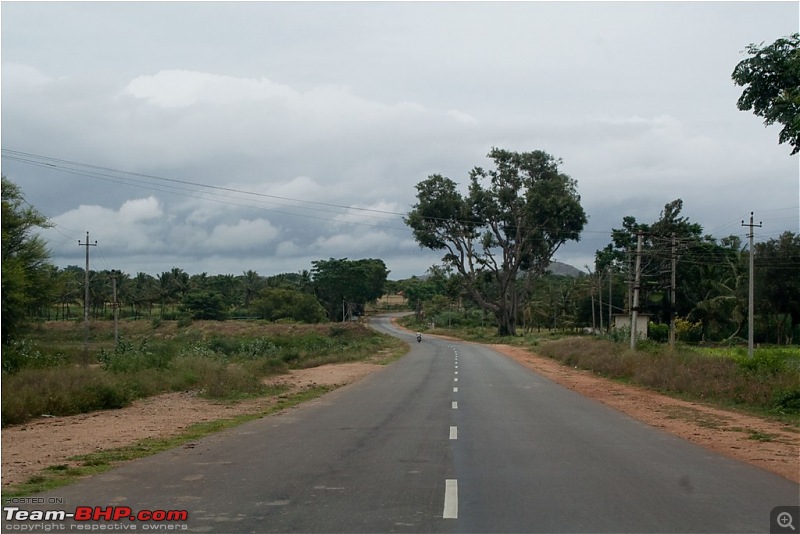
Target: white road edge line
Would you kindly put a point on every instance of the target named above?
(455, 390)
(450, 499)
(453, 432)
(455, 405)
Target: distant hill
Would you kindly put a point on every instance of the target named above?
(563, 269)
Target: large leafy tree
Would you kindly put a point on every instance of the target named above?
(771, 81)
(512, 220)
(26, 284)
(777, 264)
(347, 283)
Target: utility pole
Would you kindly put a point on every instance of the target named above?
(115, 305)
(636, 287)
(599, 299)
(750, 312)
(86, 299)
(610, 297)
(672, 296)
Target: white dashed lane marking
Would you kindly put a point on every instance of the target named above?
(450, 499)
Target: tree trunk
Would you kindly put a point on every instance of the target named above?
(506, 323)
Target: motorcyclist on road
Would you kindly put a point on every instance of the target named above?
(419, 337)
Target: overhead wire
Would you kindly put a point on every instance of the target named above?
(256, 200)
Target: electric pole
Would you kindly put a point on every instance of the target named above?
(636, 286)
(86, 299)
(610, 296)
(750, 312)
(672, 296)
(115, 305)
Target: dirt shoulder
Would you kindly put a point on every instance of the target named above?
(31, 447)
(768, 444)
(47, 441)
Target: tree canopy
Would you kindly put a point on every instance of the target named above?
(25, 260)
(351, 283)
(771, 81)
(512, 220)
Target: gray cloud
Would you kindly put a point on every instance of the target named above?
(295, 111)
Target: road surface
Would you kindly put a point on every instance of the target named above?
(453, 437)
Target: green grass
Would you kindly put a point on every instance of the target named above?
(767, 384)
(220, 360)
(48, 374)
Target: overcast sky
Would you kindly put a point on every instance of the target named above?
(313, 122)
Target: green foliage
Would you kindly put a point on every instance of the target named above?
(26, 273)
(771, 81)
(777, 265)
(768, 361)
(353, 283)
(658, 332)
(769, 382)
(23, 353)
(203, 304)
(64, 390)
(786, 400)
(276, 304)
(525, 208)
(217, 365)
(126, 358)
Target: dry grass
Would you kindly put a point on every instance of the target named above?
(684, 372)
(223, 360)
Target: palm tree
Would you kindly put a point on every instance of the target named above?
(251, 284)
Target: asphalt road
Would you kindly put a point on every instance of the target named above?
(453, 437)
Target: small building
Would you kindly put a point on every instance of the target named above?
(623, 320)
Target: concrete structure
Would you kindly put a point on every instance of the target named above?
(623, 320)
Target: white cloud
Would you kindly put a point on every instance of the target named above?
(246, 235)
(353, 104)
(183, 88)
(25, 77)
(141, 209)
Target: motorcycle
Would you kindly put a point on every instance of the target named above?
(419, 338)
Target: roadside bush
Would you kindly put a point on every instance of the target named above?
(449, 318)
(768, 381)
(276, 304)
(127, 358)
(787, 400)
(65, 390)
(658, 332)
(23, 353)
(219, 360)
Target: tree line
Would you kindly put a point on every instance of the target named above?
(35, 289)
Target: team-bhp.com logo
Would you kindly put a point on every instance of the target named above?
(95, 514)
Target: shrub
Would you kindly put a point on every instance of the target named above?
(65, 390)
(768, 381)
(127, 358)
(204, 305)
(658, 332)
(23, 353)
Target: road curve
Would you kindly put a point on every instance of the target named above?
(453, 437)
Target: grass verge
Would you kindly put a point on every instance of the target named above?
(59, 475)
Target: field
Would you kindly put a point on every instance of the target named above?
(51, 373)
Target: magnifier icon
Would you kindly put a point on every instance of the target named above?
(785, 520)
